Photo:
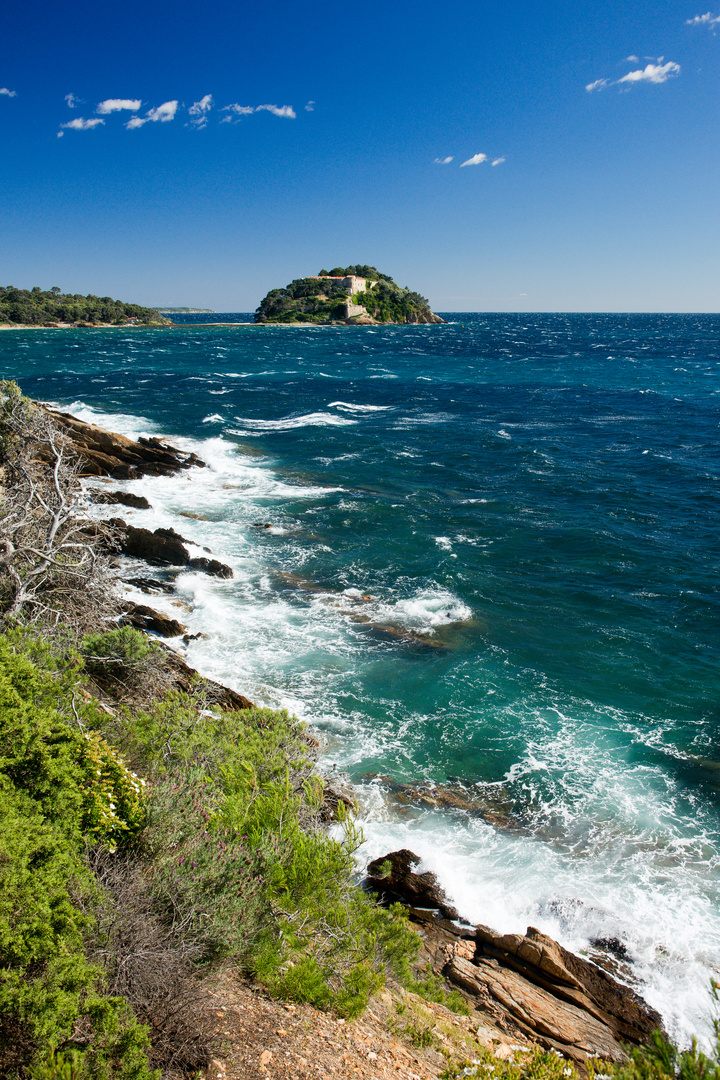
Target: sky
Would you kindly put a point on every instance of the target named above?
(491, 156)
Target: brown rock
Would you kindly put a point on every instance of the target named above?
(212, 567)
(146, 618)
(126, 498)
(106, 453)
(555, 1023)
(393, 878)
(164, 547)
(546, 963)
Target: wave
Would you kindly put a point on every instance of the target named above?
(290, 423)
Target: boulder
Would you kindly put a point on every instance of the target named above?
(150, 585)
(212, 567)
(146, 618)
(393, 878)
(106, 453)
(126, 498)
(164, 547)
(336, 793)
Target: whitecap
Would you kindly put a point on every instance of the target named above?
(290, 423)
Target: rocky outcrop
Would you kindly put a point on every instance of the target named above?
(106, 453)
(146, 618)
(163, 547)
(186, 678)
(527, 983)
(211, 566)
(125, 498)
(393, 878)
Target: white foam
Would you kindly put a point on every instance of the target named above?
(358, 408)
(290, 423)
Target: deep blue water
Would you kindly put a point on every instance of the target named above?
(493, 558)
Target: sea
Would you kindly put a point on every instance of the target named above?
(481, 560)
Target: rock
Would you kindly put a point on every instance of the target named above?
(489, 806)
(335, 795)
(150, 585)
(392, 878)
(126, 498)
(146, 618)
(106, 453)
(554, 1023)
(212, 567)
(185, 678)
(565, 1002)
(164, 547)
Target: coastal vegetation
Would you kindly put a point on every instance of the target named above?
(328, 298)
(38, 307)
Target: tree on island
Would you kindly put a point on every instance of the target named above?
(33, 307)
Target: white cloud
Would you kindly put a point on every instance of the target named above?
(497, 161)
(310, 107)
(237, 110)
(112, 105)
(72, 101)
(708, 19)
(633, 59)
(162, 113)
(79, 124)
(476, 159)
(652, 73)
(443, 161)
(4, 92)
(278, 110)
(199, 110)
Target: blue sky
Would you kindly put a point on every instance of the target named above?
(126, 171)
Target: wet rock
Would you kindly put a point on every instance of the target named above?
(336, 793)
(106, 453)
(393, 878)
(164, 547)
(212, 567)
(125, 498)
(150, 585)
(146, 618)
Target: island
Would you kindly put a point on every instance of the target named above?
(354, 295)
(54, 308)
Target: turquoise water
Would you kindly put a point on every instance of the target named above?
(492, 559)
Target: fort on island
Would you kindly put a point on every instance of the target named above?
(354, 295)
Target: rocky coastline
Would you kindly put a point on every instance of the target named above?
(522, 987)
